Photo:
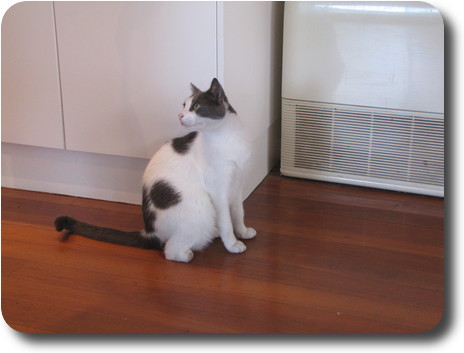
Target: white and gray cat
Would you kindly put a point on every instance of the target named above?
(192, 187)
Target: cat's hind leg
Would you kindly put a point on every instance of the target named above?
(190, 227)
(180, 246)
(175, 250)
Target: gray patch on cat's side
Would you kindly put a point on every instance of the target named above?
(149, 216)
(182, 144)
(164, 195)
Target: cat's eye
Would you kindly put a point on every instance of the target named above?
(196, 106)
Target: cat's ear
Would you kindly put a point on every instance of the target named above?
(217, 91)
(195, 89)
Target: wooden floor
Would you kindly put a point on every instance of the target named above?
(327, 258)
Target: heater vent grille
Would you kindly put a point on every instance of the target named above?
(392, 149)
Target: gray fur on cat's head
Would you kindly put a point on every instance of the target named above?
(213, 103)
(210, 104)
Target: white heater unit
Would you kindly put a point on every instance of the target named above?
(363, 94)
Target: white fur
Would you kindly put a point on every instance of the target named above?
(210, 179)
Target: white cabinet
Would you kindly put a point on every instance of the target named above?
(123, 68)
(31, 105)
(126, 68)
(94, 79)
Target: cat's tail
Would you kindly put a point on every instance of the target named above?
(135, 239)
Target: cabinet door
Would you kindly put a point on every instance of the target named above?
(126, 68)
(31, 105)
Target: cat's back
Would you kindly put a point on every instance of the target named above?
(175, 160)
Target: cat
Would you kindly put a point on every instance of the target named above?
(192, 186)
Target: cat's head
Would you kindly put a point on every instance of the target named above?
(205, 109)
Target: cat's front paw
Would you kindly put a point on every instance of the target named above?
(236, 247)
(249, 233)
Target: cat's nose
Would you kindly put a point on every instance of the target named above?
(180, 116)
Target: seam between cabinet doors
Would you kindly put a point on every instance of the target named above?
(59, 74)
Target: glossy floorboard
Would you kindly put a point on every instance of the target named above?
(327, 258)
